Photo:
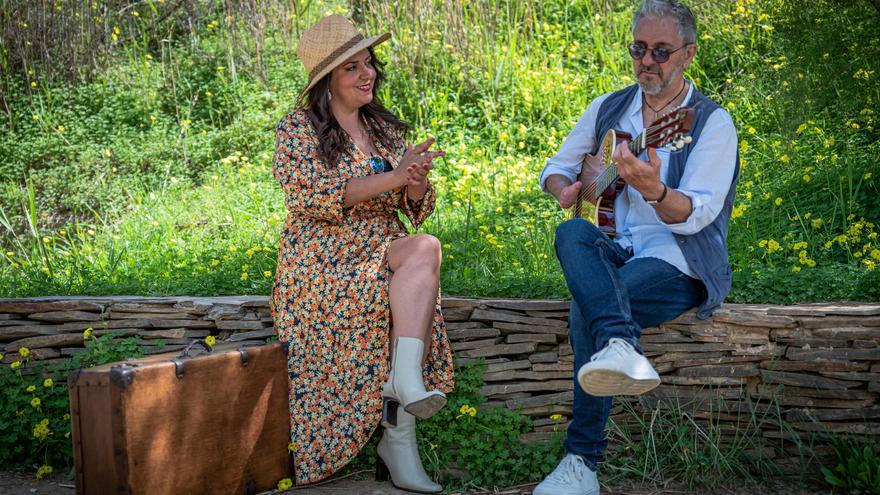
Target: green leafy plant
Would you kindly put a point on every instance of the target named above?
(855, 467)
(466, 445)
(484, 443)
(34, 410)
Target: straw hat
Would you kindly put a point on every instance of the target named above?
(328, 43)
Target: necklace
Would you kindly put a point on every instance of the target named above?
(363, 139)
(657, 110)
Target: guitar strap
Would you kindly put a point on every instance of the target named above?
(705, 251)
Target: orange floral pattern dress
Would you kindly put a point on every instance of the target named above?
(330, 297)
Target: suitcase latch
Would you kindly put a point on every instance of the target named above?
(244, 356)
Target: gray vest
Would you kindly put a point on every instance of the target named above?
(705, 251)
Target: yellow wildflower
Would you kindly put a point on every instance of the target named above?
(31, 389)
(244, 276)
(795, 269)
(43, 471)
(88, 333)
(210, 340)
(285, 484)
(875, 253)
(48, 382)
(15, 365)
(291, 447)
(24, 352)
(35, 402)
(556, 417)
(42, 430)
(738, 211)
(777, 201)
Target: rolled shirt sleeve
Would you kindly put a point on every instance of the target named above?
(579, 142)
(708, 174)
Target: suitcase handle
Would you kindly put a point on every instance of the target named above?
(185, 353)
(178, 364)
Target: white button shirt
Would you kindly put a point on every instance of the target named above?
(706, 180)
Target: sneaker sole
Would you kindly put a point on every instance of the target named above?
(607, 383)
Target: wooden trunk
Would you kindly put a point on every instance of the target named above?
(214, 423)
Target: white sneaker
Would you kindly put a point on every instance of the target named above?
(617, 369)
(571, 477)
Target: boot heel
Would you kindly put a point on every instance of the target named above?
(389, 412)
(382, 473)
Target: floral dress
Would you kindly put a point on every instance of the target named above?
(330, 298)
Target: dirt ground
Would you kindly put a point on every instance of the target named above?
(58, 484)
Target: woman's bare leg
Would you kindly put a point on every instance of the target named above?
(415, 282)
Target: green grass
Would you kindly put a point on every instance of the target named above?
(122, 179)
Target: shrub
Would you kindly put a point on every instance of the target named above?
(34, 410)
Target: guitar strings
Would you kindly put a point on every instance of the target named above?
(591, 189)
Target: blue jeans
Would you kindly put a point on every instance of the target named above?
(611, 299)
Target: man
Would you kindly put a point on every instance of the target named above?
(669, 253)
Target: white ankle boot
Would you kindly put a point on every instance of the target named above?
(617, 369)
(405, 385)
(398, 456)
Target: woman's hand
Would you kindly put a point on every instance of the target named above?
(417, 161)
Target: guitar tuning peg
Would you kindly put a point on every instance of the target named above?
(688, 139)
(679, 143)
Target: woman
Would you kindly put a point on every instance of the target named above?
(347, 270)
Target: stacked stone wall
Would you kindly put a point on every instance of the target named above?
(815, 366)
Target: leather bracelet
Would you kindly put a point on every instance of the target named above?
(661, 198)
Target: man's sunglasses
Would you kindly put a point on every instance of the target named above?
(637, 52)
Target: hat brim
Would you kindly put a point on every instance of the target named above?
(363, 44)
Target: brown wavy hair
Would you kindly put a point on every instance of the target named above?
(332, 139)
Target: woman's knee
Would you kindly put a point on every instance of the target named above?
(427, 251)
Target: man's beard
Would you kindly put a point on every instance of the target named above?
(654, 89)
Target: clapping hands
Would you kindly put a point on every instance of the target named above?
(417, 161)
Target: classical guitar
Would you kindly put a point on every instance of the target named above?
(602, 190)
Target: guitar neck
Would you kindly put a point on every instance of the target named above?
(610, 175)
